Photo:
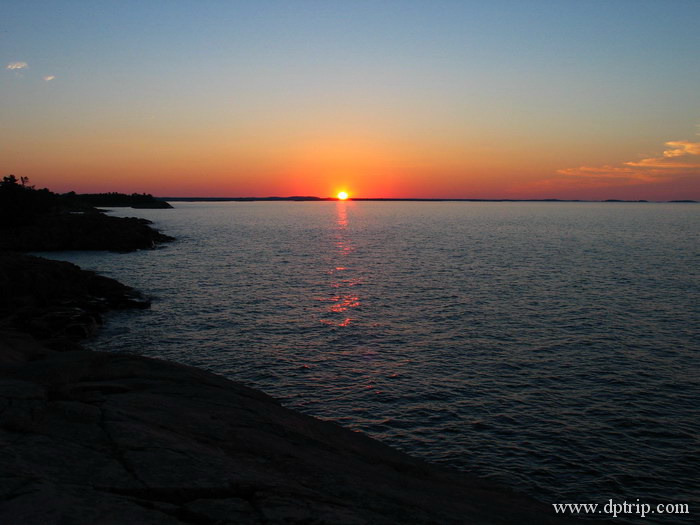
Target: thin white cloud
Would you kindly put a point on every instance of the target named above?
(14, 66)
(662, 164)
(602, 171)
(49, 78)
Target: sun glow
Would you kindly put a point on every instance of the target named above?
(342, 195)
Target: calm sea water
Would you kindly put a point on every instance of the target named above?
(553, 347)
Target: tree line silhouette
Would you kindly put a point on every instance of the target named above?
(22, 203)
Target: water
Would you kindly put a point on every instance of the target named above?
(552, 347)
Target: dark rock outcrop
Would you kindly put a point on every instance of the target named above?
(57, 302)
(40, 220)
(81, 231)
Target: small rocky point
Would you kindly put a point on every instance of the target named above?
(57, 302)
(82, 231)
(40, 220)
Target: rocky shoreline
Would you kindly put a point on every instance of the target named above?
(40, 220)
(82, 231)
(101, 438)
(57, 303)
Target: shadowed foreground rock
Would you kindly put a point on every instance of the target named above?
(83, 231)
(102, 438)
(57, 302)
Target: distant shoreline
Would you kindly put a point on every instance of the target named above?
(369, 199)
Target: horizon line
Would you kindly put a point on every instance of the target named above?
(398, 199)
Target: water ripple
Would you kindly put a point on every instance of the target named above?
(552, 347)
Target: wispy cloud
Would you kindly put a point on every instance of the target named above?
(682, 147)
(14, 66)
(49, 78)
(679, 159)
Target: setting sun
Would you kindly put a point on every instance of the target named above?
(342, 195)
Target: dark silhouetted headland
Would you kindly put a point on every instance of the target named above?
(120, 200)
(40, 220)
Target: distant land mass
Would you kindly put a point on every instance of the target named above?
(387, 199)
(119, 200)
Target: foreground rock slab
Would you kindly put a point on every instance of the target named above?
(99, 438)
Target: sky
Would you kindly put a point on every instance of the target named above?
(570, 99)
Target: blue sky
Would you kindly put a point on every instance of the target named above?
(550, 85)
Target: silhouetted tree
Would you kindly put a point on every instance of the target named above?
(21, 204)
(9, 180)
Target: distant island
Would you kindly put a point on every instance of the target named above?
(322, 199)
(119, 200)
(387, 199)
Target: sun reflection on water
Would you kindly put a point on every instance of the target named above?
(343, 300)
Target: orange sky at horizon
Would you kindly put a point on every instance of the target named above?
(496, 100)
(323, 168)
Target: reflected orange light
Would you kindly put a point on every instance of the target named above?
(342, 301)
